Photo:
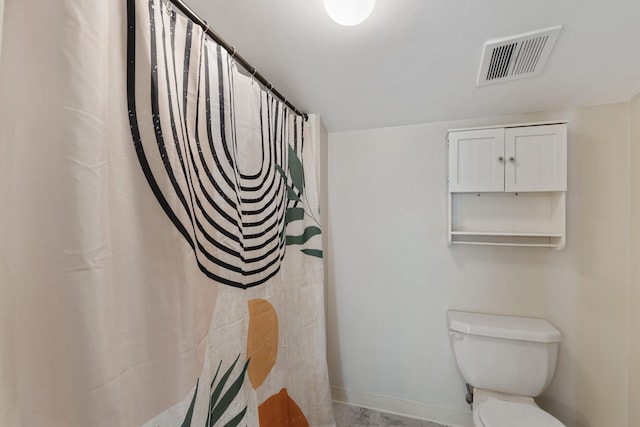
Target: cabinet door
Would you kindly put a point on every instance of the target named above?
(536, 158)
(476, 160)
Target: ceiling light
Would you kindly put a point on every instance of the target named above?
(349, 12)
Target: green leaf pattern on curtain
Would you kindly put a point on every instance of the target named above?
(218, 402)
(295, 184)
(189, 416)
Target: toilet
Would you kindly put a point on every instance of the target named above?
(506, 362)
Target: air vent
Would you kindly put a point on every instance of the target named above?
(516, 57)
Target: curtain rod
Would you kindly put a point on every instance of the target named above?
(186, 10)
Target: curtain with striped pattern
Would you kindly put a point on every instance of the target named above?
(160, 244)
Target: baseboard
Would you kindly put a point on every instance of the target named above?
(407, 408)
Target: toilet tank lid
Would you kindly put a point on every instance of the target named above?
(509, 327)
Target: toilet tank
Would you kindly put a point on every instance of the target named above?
(515, 355)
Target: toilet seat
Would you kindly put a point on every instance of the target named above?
(502, 413)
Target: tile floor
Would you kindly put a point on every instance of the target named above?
(353, 416)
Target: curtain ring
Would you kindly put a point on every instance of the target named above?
(255, 70)
(169, 7)
(233, 54)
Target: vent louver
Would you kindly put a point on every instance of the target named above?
(516, 57)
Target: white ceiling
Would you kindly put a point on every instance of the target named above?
(416, 61)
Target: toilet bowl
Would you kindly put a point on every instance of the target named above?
(506, 362)
(492, 409)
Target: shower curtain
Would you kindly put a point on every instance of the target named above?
(160, 245)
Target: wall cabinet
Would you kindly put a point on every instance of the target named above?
(523, 158)
(507, 185)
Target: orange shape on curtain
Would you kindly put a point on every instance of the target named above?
(262, 340)
(280, 410)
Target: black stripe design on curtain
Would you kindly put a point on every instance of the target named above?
(180, 96)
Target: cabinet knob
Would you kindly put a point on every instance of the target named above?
(500, 158)
(512, 159)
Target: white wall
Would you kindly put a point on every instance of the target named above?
(392, 277)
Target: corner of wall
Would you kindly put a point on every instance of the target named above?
(634, 268)
(321, 137)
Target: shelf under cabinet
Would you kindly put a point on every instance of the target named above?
(522, 239)
(527, 245)
(534, 219)
(505, 234)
